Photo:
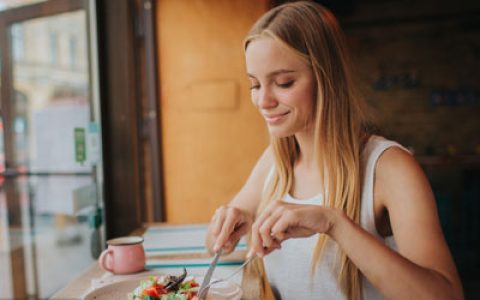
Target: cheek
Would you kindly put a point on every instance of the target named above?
(306, 105)
(287, 97)
(301, 98)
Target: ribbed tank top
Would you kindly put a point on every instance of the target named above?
(288, 269)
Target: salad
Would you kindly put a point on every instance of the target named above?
(166, 288)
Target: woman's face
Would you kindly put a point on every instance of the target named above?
(282, 87)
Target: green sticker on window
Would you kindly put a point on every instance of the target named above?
(80, 145)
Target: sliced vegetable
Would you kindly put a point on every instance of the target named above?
(166, 288)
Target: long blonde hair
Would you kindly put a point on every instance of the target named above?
(312, 32)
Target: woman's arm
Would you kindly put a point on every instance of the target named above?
(423, 268)
(231, 222)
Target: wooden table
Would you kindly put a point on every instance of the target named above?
(253, 284)
(80, 285)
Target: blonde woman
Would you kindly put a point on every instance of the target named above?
(334, 211)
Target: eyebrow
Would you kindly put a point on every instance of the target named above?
(274, 73)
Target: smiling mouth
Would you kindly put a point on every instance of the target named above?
(272, 119)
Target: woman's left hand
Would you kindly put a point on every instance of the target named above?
(280, 221)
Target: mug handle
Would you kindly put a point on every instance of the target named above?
(102, 260)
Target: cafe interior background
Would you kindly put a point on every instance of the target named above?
(116, 113)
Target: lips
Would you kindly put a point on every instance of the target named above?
(275, 118)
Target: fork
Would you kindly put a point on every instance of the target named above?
(229, 276)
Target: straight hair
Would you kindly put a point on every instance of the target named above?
(312, 32)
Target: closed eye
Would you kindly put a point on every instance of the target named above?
(285, 84)
(254, 86)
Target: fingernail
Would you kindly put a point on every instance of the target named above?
(216, 247)
(250, 253)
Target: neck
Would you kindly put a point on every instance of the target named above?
(307, 154)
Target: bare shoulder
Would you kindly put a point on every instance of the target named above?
(397, 174)
(395, 160)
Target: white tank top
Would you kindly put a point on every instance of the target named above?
(288, 269)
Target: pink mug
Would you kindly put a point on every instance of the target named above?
(124, 255)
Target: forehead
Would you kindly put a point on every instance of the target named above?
(265, 54)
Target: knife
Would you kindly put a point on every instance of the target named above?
(202, 292)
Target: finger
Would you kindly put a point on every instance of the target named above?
(238, 233)
(267, 250)
(228, 246)
(267, 212)
(231, 218)
(256, 245)
(235, 236)
(275, 246)
(266, 228)
(281, 227)
(232, 241)
(217, 220)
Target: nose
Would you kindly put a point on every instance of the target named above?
(266, 99)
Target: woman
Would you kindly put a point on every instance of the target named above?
(334, 211)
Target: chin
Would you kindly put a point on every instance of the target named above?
(278, 133)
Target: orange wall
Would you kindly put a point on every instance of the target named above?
(211, 133)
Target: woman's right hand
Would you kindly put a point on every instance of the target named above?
(227, 226)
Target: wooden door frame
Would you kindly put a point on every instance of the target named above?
(150, 110)
(119, 118)
(128, 80)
